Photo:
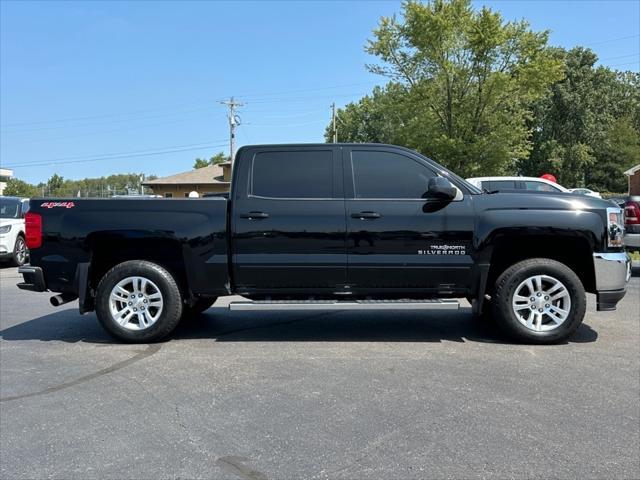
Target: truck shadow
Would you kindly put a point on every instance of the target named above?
(221, 325)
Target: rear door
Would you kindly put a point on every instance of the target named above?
(288, 223)
(398, 239)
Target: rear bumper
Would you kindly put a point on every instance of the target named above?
(33, 279)
(613, 271)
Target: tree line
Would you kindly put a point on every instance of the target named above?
(484, 96)
(57, 186)
(117, 184)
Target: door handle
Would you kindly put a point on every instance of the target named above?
(254, 215)
(366, 215)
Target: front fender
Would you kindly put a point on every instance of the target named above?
(494, 225)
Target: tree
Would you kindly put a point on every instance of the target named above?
(619, 151)
(216, 159)
(461, 85)
(19, 188)
(586, 128)
(55, 184)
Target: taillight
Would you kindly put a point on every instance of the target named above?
(632, 213)
(33, 230)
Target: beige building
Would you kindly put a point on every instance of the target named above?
(5, 174)
(210, 179)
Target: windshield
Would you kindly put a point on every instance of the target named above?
(9, 208)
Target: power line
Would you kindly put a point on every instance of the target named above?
(625, 63)
(278, 125)
(612, 40)
(88, 157)
(296, 115)
(637, 54)
(100, 132)
(111, 157)
(257, 96)
(299, 99)
(109, 122)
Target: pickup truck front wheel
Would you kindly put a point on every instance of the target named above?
(539, 300)
(138, 301)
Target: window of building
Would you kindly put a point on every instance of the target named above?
(168, 195)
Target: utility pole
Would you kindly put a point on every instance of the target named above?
(333, 121)
(234, 121)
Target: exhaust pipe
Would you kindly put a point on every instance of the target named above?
(61, 299)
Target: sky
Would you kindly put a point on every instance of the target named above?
(94, 88)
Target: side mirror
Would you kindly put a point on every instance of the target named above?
(440, 187)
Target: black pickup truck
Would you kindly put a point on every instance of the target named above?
(332, 226)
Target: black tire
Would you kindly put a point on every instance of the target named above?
(512, 277)
(201, 305)
(20, 252)
(171, 297)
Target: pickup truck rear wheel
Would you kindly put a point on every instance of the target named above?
(138, 301)
(539, 300)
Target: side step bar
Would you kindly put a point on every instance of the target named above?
(265, 305)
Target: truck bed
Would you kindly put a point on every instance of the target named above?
(188, 233)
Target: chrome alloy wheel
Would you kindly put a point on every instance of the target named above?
(541, 303)
(135, 303)
(21, 250)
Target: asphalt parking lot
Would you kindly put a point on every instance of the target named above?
(315, 395)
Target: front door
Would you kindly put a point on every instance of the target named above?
(398, 239)
(288, 225)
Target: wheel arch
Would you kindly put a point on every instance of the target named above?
(111, 248)
(573, 250)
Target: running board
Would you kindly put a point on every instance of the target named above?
(345, 305)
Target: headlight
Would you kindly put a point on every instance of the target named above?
(5, 229)
(615, 227)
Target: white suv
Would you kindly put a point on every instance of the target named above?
(517, 183)
(12, 242)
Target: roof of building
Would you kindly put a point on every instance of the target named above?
(632, 170)
(212, 174)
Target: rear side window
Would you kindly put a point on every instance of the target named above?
(303, 174)
(388, 175)
(539, 186)
(492, 185)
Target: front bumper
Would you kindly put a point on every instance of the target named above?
(6, 250)
(33, 279)
(613, 271)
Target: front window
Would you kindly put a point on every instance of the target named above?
(9, 208)
(379, 174)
